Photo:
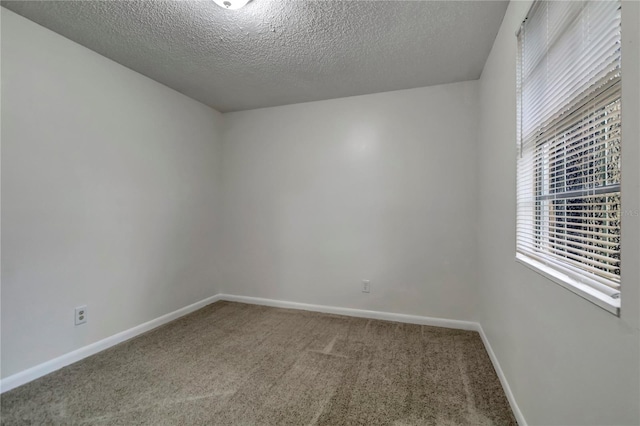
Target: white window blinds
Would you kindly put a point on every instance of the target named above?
(568, 167)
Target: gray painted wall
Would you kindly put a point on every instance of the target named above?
(109, 196)
(319, 196)
(567, 361)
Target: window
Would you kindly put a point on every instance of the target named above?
(568, 166)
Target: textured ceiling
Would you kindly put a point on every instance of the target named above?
(275, 52)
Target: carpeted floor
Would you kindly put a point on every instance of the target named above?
(236, 364)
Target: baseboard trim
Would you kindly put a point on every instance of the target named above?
(23, 377)
(50, 366)
(351, 312)
(503, 379)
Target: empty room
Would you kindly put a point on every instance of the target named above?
(320, 212)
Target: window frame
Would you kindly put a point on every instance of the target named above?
(573, 281)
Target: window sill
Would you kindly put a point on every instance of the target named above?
(602, 300)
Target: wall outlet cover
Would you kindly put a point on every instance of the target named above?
(81, 314)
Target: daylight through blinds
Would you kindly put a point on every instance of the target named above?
(568, 187)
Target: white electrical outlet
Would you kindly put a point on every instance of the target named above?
(81, 314)
(366, 286)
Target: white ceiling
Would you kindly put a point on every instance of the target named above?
(275, 52)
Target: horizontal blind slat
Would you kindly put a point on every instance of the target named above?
(569, 124)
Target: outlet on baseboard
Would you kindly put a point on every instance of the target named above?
(81, 314)
(366, 286)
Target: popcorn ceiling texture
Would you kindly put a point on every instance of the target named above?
(274, 52)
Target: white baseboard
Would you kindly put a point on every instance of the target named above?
(361, 313)
(50, 366)
(503, 379)
(45, 368)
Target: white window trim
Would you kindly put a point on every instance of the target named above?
(602, 300)
(557, 273)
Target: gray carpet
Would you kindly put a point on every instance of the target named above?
(237, 364)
